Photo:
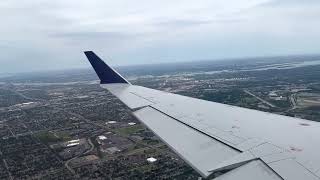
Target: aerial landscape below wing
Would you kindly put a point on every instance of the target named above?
(218, 140)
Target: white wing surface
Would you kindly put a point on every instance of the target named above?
(221, 141)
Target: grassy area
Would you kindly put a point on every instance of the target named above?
(47, 137)
(64, 136)
(129, 130)
(50, 137)
(145, 168)
(152, 142)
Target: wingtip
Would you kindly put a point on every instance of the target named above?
(105, 73)
(88, 52)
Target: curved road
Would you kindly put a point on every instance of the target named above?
(88, 151)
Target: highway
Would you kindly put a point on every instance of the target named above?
(260, 99)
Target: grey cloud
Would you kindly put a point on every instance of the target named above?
(93, 34)
(185, 23)
(278, 3)
(182, 23)
(109, 40)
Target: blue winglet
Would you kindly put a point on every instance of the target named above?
(106, 74)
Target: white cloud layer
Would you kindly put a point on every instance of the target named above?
(40, 35)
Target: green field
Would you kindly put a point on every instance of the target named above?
(50, 137)
(129, 130)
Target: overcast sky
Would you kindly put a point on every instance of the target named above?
(41, 35)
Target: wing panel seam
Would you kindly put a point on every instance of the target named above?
(142, 97)
(234, 148)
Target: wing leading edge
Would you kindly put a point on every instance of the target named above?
(217, 139)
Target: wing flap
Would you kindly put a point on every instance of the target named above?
(199, 150)
(252, 170)
(291, 169)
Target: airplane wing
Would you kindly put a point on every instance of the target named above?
(218, 140)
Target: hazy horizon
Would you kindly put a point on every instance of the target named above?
(236, 61)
